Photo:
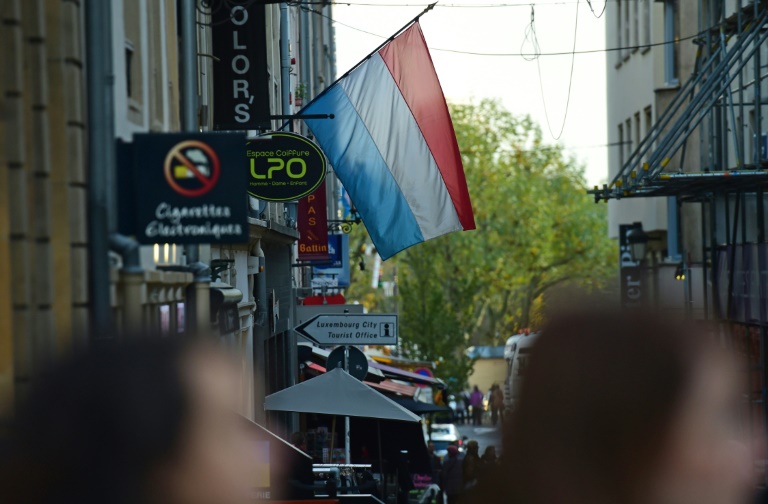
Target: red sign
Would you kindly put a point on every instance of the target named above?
(313, 226)
(331, 299)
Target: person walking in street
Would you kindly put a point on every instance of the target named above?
(476, 401)
(625, 408)
(497, 404)
(460, 408)
(471, 465)
(489, 456)
(451, 477)
(467, 396)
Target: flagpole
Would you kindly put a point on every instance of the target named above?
(390, 39)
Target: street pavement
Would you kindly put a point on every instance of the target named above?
(485, 435)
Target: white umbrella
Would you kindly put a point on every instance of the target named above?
(338, 393)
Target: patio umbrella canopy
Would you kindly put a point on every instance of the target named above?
(338, 393)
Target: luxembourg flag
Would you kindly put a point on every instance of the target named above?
(392, 145)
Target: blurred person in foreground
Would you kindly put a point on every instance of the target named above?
(142, 423)
(624, 408)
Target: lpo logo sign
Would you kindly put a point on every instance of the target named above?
(284, 167)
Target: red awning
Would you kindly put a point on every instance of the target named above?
(384, 386)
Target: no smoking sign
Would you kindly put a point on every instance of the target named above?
(192, 168)
(189, 188)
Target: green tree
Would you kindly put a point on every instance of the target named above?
(536, 230)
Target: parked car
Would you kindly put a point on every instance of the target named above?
(443, 435)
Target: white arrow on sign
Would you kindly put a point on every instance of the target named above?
(351, 329)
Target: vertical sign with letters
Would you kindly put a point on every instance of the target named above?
(313, 226)
(632, 288)
(240, 78)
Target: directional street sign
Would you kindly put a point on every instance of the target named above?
(351, 329)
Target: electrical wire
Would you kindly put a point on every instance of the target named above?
(517, 54)
(530, 36)
(460, 6)
(598, 16)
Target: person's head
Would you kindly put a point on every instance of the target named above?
(490, 452)
(453, 451)
(431, 447)
(299, 441)
(624, 408)
(476, 389)
(473, 448)
(145, 422)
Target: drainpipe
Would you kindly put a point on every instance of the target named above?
(132, 280)
(305, 56)
(285, 60)
(197, 295)
(260, 331)
(317, 43)
(290, 362)
(101, 161)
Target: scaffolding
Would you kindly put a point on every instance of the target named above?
(721, 109)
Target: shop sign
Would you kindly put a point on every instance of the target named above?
(188, 188)
(632, 288)
(336, 274)
(240, 70)
(313, 227)
(284, 167)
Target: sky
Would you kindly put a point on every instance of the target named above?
(451, 25)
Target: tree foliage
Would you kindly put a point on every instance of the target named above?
(536, 230)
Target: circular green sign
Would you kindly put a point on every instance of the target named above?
(284, 167)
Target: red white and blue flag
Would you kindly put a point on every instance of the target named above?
(392, 145)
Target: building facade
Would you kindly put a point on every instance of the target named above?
(45, 270)
(43, 179)
(706, 154)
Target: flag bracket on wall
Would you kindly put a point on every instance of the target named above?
(301, 116)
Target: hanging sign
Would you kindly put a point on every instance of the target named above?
(632, 288)
(188, 188)
(284, 167)
(349, 329)
(335, 274)
(313, 227)
(240, 70)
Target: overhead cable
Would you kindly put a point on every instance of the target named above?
(517, 54)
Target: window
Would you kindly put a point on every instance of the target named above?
(671, 39)
(621, 145)
(129, 68)
(619, 29)
(636, 24)
(648, 120)
(625, 37)
(637, 129)
(646, 22)
(628, 144)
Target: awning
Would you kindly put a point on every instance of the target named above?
(401, 374)
(385, 385)
(420, 407)
(338, 393)
(376, 370)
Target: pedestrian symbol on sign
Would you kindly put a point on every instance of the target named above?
(192, 168)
